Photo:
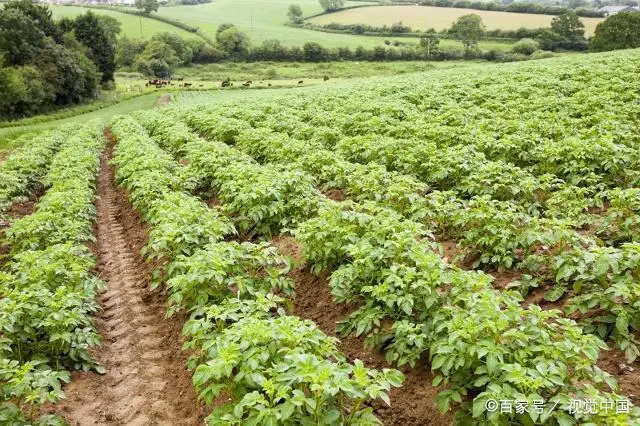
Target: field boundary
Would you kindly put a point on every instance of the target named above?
(468, 5)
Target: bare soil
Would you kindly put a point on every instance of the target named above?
(164, 100)
(627, 375)
(146, 380)
(413, 404)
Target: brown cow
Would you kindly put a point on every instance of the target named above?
(246, 84)
(300, 82)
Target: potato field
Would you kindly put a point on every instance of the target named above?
(453, 247)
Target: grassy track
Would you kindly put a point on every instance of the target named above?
(425, 17)
(132, 26)
(141, 102)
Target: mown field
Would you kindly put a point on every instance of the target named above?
(439, 18)
(404, 250)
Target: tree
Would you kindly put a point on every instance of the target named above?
(619, 31)
(20, 39)
(40, 15)
(111, 26)
(429, 43)
(147, 6)
(160, 51)
(179, 46)
(233, 42)
(314, 52)
(127, 50)
(331, 5)
(568, 25)
(90, 32)
(469, 29)
(223, 27)
(295, 14)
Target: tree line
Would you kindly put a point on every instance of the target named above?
(46, 64)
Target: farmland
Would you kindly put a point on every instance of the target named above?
(269, 24)
(132, 26)
(440, 18)
(400, 250)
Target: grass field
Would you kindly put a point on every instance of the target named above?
(132, 26)
(104, 114)
(425, 17)
(269, 23)
(288, 70)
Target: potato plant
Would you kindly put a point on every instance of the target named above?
(278, 368)
(47, 290)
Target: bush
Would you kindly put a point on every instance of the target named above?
(541, 54)
(526, 46)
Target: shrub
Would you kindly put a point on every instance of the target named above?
(526, 46)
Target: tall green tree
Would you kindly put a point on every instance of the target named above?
(619, 31)
(568, 25)
(331, 5)
(469, 29)
(41, 16)
(21, 41)
(147, 6)
(90, 32)
(295, 14)
(179, 46)
(233, 41)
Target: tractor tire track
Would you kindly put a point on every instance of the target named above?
(146, 381)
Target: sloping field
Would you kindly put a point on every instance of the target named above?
(132, 26)
(459, 244)
(425, 17)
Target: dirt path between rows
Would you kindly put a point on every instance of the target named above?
(412, 404)
(146, 381)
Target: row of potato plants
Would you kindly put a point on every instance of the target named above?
(278, 368)
(384, 262)
(497, 232)
(47, 289)
(23, 169)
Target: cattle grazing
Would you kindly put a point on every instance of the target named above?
(301, 82)
(226, 83)
(246, 84)
(269, 84)
(180, 79)
(187, 85)
(326, 77)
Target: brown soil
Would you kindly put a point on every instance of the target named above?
(335, 195)
(146, 381)
(413, 404)
(627, 375)
(164, 100)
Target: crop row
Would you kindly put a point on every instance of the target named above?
(23, 169)
(480, 341)
(602, 279)
(278, 368)
(47, 290)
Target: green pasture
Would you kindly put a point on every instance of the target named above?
(132, 26)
